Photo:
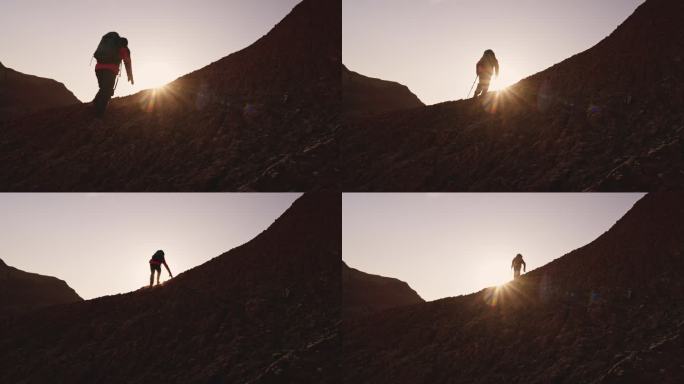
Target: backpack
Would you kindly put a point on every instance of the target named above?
(158, 257)
(517, 262)
(108, 49)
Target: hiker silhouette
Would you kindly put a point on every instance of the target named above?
(109, 54)
(485, 68)
(155, 265)
(516, 264)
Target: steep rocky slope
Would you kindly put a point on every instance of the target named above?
(263, 118)
(363, 293)
(362, 95)
(609, 118)
(609, 312)
(23, 291)
(22, 94)
(264, 312)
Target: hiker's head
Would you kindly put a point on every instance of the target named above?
(489, 53)
(160, 252)
(518, 256)
(124, 42)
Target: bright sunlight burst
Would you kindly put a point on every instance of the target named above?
(154, 75)
(507, 77)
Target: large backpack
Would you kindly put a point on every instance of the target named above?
(158, 257)
(108, 49)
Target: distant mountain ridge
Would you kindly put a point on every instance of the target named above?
(363, 293)
(24, 291)
(22, 94)
(362, 95)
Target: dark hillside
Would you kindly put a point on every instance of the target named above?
(264, 312)
(609, 312)
(363, 293)
(362, 95)
(264, 118)
(24, 291)
(22, 94)
(607, 119)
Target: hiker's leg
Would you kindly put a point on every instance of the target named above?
(105, 80)
(109, 79)
(151, 275)
(477, 90)
(484, 85)
(97, 102)
(158, 275)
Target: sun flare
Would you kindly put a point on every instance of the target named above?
(507, 77)
(155, 75)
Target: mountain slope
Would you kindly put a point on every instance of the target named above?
(263, 118)
(264, 312)
(363, 293)
(609, 118)
(22, 94)
(609, 312)
(363, 95)
(23, 291)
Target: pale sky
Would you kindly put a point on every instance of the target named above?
(432, 46)
(168, 39)
(100, 244)
(446, 245)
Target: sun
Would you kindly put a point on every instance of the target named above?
(507, 77)
(155, 75)
(500, 84)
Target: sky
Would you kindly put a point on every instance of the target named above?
(451, 244)
(168, 39)
(432, 46)
(100, 244)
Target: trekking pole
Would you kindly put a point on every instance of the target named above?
(471, 87)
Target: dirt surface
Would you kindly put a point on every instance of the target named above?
(264, 118)
(363, 293)
(22, 94)
(24, 291)
(265, 312)
(608, 119)
(363, 96)
(609, 312)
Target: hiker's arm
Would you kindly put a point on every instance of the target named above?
(167, 269)
(496, 67)
(126, 56)
(524, 266)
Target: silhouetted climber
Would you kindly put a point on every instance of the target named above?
(155, 265)
(485, 68)
(111, 50)
(515, 265)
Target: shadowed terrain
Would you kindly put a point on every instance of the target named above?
(362, 96)
(609, 312)
(263, 118)
(363, 293)
(607, 119)
(24, 291)
(264, 312)
(22, 94)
